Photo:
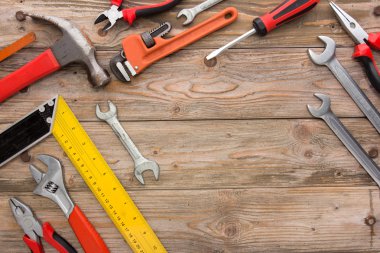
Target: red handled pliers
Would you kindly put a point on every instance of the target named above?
(34, 231)
(364, 43)
(131, 14)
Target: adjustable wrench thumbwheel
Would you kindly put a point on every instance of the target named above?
(141, 163)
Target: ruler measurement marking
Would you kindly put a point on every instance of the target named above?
(114, 199)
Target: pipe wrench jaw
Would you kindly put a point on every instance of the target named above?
(123, 68)
(50, 184)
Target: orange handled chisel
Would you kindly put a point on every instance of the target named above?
(283, 13)
(51, 185)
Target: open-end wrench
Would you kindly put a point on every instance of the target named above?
(192, 12)
(329, 59)
(325, 113)
(141, 163)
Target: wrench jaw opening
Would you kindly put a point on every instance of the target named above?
(189, 15)
(50, 184)
(112, 112)
(323, 109)
(328, 53)
(145, 166)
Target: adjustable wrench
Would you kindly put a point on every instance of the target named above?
(141, 163)
(192, 12)
(325, 113)
(329, 59)
(50, 185)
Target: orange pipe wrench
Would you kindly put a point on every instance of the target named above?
(142, 50)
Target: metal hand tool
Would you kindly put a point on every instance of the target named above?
(50, 185)
(72, 47)
(17, 45)
(34, 231)
(364, 43)
(131, 14)
(325, 113)
(329, 59)
(141, 163)
(285, 12)
(141, 51)
(192, 12)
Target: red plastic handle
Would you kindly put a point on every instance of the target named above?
(116, 2)
(41, 66)
(55, 240)
(364, 54)
(374, 40)
(87, 236)
(283, 13)
(34, 246)
(131, 14)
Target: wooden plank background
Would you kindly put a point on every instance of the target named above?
(244, 166)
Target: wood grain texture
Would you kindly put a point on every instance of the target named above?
(244, 166)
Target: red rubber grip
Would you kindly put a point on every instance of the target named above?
(116, 2)
(87, 236)
(33, 245)
(374, 40)
(131, 14)
(55, 240)
(283, 13)
(41, 66)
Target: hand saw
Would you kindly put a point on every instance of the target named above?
(55, 117)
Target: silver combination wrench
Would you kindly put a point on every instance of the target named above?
(141, 163)
(324, 112)
(192, 12)
(329, 59)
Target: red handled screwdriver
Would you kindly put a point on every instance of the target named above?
(285, 12)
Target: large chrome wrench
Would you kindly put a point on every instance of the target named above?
(141, 163)
(325, 113)
(329, 59)
(192, 12)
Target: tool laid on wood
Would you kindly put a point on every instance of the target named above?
(50, 185)
(364, 43)
(131, 14)
(325, 113)
(141, 163)
(55, 117)
(17, 45)
(283, 13)
(34, 231)
(192, 12)
(329, 59)
(72, 47)
(141, 51)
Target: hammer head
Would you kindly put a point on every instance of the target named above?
(75, 47)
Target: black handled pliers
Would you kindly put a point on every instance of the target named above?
(34, 231)
(364, 43)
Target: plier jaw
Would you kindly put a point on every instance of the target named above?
(26, 220)
(350, 25)
(113, 14)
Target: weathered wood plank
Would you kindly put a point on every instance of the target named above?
(245, 84)
(300, 33)
(235, 154)
(250, 220)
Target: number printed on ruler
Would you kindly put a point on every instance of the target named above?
(103, 183)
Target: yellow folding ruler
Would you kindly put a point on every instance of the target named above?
(56, 117)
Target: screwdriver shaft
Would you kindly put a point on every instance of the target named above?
(229, 45)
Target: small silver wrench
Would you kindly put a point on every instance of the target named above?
(329, 59)
(141, 163)
(192, 12)
(325, 113)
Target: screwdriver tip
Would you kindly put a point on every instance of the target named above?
(212, 55)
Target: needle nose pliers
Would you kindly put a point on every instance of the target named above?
(34, 231)
(364, 43)
(131, 14)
